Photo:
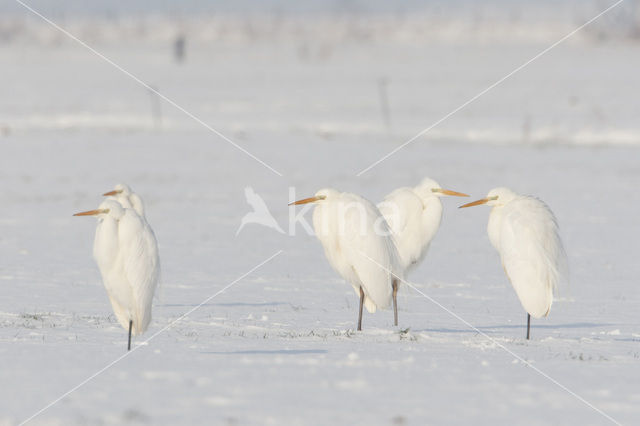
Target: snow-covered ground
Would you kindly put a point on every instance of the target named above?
(278, 346)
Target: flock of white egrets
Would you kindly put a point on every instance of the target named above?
(372, 247)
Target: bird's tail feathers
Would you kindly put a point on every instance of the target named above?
(370, 305)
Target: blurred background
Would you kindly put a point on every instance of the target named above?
(326, 69)
(318, 91)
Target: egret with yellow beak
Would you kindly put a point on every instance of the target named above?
(414, 216)
(524, 231)
(129, 263)
(359, 246)
(123, 194)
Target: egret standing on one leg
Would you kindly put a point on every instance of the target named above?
(525, 232)
(358, 245)
(123, 194)
(414, 216)
(127, 257)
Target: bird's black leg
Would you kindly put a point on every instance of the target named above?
(130, 327)
(395, 302)
(528, 325)
(360, 315)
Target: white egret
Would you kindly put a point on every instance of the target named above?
(123, 194)
(414, 216)
(359, 246)
(524, 231)
(128, 260)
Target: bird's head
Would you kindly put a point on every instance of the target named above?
(107, 207)
(322, 195)
(497, 197)
(119, 189)
(430, 188)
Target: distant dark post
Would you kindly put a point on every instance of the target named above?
(179, 48)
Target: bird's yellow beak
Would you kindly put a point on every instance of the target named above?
(478, 202)
(92, 212)
(449, 192)
(114, 192)
(308, 200)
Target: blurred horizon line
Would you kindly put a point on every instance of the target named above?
(488, 23)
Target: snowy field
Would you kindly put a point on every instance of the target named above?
(279, 346)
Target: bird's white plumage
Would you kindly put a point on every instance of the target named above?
(358, 245)
(414, 216)
(141, 265)
(124, 195)
(525, 233)
(128, 199)
(127, 256)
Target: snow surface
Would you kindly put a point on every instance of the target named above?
(279, 346)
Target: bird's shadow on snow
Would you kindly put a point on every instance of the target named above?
(272, 352)
(514, 326)
(235, 304)
(549, 326)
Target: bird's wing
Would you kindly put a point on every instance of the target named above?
(532, 253)
(396, 206)
(154, 253)
(371, 255)
(141, 265)
(404, 212)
